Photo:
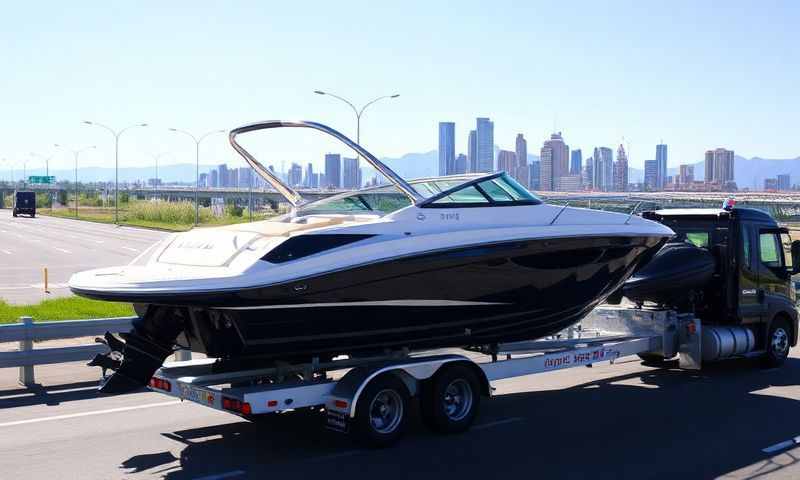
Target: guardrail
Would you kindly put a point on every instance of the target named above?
(26, 332)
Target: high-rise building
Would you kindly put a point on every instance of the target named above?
(461, 164)
(685, 174)
(447, 148)
(333, 170)
(350, 178)
(661, 162)
(536, 175)
(485, 145)
(621, 170)
(507, 161)
(771, 184)
(555, 161)
(203, 180)
(603, 169)
(472, 152)
(586, 175)
(523, 172)
(222, 176)
(295, 175)
(651, 175)
(576, 162)
(784, 182)
(719, 165)
(233, 177)
(308, 181)
(213, 181)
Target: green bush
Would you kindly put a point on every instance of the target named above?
(166, 212)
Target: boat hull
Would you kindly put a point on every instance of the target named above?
(467, 296)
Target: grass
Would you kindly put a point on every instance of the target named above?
(171, 216)
(67, 308)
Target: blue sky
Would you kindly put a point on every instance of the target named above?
(698, 74)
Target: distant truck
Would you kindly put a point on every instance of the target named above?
(24, 204)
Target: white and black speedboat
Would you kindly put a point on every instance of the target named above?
(438, 262)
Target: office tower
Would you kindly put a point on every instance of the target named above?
(723, 166)
(522, 172)
(472, 152)
(308, 181)
(333, 170)
(784, 182)
(536, 175)
(484, 143)
(507, 161)
(351, 176)
(214, 180)
(203, 180)
(651, 175)
(771, 184)
(603, 169)
(685, 174)
(661, 161)
(621, 170)
(546, 168)
(554, 156)
(709, 166)
(586, 176)
(576, 162)
(222, 175)
(295, 178)
(447, 148)
(461, 164)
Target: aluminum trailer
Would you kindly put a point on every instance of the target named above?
(370, 397)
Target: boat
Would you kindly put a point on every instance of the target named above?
(466, 260)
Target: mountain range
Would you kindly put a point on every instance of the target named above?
(748, 172)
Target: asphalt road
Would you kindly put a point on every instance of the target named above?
(28, 245)
(611, 421)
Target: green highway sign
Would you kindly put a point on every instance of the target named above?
(42, 179)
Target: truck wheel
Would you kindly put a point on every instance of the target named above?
(14, 214)
(778, 341)
(450, 400)
(652, 359)
(382, 412)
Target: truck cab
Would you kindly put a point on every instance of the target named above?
(24, 204)
(751, 286)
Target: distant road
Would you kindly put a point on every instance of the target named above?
(27, 245)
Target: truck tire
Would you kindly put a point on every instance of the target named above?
(450, 401)
(382, 412)
(778, 343)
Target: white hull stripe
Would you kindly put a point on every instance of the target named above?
(384, 303)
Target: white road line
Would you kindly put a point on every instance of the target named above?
(498, 422)
(62, 250)
(782, 445)
(6, 252)
(219, 476)
(131, 249)
(99, 241)
(88, 414)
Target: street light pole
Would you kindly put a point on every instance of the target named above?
(197, 141)
(76, 153)
(155, 180)
(116, 160)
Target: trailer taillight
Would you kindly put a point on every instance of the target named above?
(236, 405)
(160, 384)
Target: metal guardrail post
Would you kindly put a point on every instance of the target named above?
(26, 376)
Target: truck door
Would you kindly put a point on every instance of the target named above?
(773, 278)
(750, 301)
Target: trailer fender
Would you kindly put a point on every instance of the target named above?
(344, 397)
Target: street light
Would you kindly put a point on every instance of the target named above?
(155, 180)
(358, 112)
(116, 160)
(46, 162)
(75, 153)
(197, 141)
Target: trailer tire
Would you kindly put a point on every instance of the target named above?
(450, 401)
(382, 412)
(778, 343)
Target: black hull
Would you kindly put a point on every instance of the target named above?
(472, 296)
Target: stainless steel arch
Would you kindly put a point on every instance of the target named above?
(292, 195)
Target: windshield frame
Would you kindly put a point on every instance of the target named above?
(430, 202)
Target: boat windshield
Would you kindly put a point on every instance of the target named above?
(446, 192)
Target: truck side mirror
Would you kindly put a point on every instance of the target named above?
(795, 257)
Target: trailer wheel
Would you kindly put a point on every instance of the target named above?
(451, 399)
(652, 359)
(778, 342)
(382, 412)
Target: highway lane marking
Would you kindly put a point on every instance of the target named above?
(62, 250)
(782, 445)
(498, 422)
(219, 476)
(6, 252)
(131, 249)
(88, 414)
